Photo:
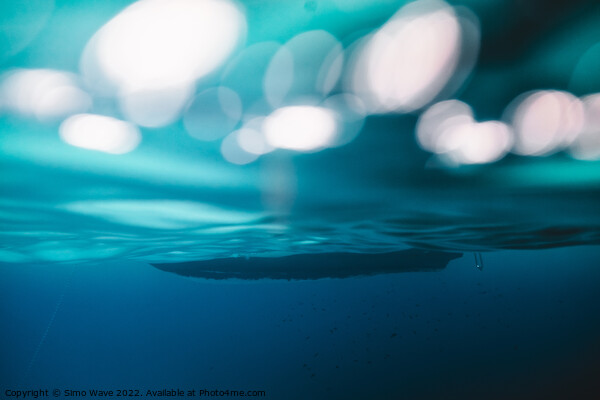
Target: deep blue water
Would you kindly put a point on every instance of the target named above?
(526, 326)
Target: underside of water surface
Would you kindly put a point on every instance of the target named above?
(118, 145)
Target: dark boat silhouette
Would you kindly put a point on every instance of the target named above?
(313, 266)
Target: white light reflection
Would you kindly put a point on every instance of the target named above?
(587, 145)
(439, 117)
(302, 128)
(101, 133)
(43, 93)
(410, 60)
(545, 121)
(163, 43)
(449, 130)
(151, 54)
(477, 143)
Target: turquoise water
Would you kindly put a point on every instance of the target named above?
(178, 200)
(373, 269)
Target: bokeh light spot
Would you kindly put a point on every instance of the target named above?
(545, 121)
(43, 93)
(448, 129)
(101, 133)
(162, 43)
(408, 62)
(303, 128)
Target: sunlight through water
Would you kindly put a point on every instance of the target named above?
(545, 121)
(102, 133)
(448, 128)
(406, 64)
(43, 93)
(302, 128)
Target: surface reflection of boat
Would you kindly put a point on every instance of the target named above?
(313, 266)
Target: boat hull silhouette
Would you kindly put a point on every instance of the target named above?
(313, 266)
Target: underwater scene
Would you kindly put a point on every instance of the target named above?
(300, 199)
